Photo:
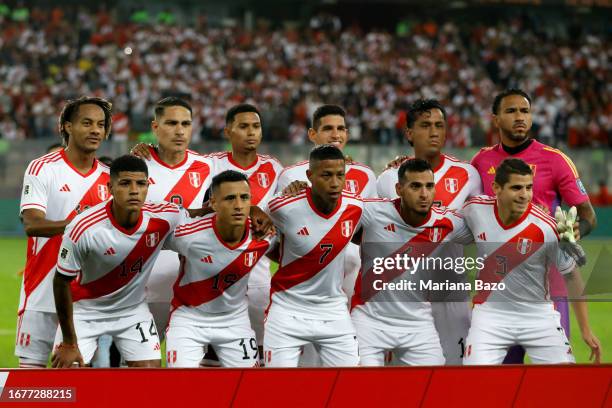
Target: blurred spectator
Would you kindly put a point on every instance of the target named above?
(603, 197)
(67, 52)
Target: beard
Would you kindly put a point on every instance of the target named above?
(516, 137)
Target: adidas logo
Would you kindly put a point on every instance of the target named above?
(65, 188)
(207, 259)
(110, 251)
(303, 231)
(156, 347)
(390, 227)
(491, 170)
(482, 236)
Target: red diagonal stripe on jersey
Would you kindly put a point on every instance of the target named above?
(445, 193)
(258, 191)
(186, 187)
(121, 275)
(513, 258)
(196, 293)
(358, 176)
(307, 266)
(40, 264)
(419, 246)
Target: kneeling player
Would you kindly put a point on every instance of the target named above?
(111, 248)
(210, 306)
(513, 307)
(394, 317)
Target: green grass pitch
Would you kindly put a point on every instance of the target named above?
(12, 252)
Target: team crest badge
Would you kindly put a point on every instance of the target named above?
(352, 186)
(451, 185)
(347, 228)
(523, 246)
(435, 234)
(102, 192)
(263, 180)
(152, 239)
(250, 258)
(194, 179)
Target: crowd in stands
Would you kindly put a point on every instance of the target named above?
(53, 54)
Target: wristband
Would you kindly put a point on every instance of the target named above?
(584, 226)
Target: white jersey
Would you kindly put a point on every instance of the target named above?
(518, 255)
(262, 174)
(360, 179)
(263, 178)
(385, 235)
(184, 184)
(111, 263)
(52, 185)
(308, 282)
(212, 284)
(456, 181)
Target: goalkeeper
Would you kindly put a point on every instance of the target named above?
(556, 179)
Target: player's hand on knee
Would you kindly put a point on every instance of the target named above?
(395, 163)
(141, 150)
(295, 188)
(67, 355)
(595, 346)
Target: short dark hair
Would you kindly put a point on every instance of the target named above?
(162, 104)
(227, 176)
(128, 163)
(240, 108)
(412, 166)
(326, 110)
(509, 167)
(422, 105)
(106, 160)
(324, 152)
(508, 92)
(71, 108)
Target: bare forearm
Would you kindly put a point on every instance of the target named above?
(63, 306)
(44, 228)
(587, 218)
(200, 212)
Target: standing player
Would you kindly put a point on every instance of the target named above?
(177, 175)
(519, 242)
(329, 127)
(243, 130)
(56, 187)
(210, 307)
(456, 181)
(402, 321)
(308, 304)
(112, 248)
(556, 178)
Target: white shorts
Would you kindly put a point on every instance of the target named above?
(135, 335)
(235, 345)
(286, 335)
(488, 342)
(258, 298)
(417, 347)
(452, 320)
(35, 334)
